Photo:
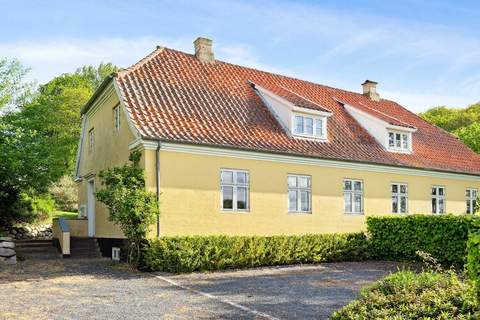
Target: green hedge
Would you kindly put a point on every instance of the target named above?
(410, 295)
(201, 253)
(473, 256)
(398, 238)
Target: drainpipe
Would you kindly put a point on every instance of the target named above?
(157, 180)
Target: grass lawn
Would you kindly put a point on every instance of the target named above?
(59, 214)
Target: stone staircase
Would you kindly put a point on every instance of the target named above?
(84, 248)
(80, 248)
(36, 250)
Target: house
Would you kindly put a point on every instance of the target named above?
(238, 151)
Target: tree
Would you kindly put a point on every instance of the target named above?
(14, 90)
(130, 206)
(470, 136)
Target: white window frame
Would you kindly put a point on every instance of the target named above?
(116, 118)
(235, 185)
(437, 198)
(298, 190)
(402, 134)
(471, 195)
(399, 195)
(352, 194)
(91, 140)
(315, 119)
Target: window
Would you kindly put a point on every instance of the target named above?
(299, 194)
(353, 196)
(398, 141)
(234, 190)
(90, 140)
(438, 200)
(399, 198)
(471, 197)
(310, 126)
(116, 118)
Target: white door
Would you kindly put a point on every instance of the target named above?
(91, 208)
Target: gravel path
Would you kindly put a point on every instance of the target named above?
(100, 289)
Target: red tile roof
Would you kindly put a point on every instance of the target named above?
(172, 96)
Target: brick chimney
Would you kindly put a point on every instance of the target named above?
(370, 90)
(203, 50)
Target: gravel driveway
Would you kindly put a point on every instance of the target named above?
(99, 289)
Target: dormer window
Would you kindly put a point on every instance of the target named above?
(309, 126)
(399, 141)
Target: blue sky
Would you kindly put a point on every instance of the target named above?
(422, 53)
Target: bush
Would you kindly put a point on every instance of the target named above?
(473, 257)
(65, 194)
(201, 253)
(408, 295)
(398, 238)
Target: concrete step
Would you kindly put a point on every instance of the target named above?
(84, 248)
(33, 243)
(36, 250)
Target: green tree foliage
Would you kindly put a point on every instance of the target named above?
(130, 206)
(38, 140)
(464, 123)
(14, 90)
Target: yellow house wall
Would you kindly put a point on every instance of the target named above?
(190, 196)
(110, 149)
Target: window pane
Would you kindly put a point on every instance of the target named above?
(469, 208)
(434, 205)
(242, 177)
(394, 204)
(319, 128)
(303, 182)
(468, 193)
(398, 141)
(405, 141)
(227, 177)
(299, 124)
(391, 139)
(395, 188)
(403, 204)
(358, 203)
(292, 182)
(440, 191)
(434, 191)
(348, 202)
(292, 200)
(441, 206)
(309, 126)
(227, 194)
(403, 189)
(357, 185)
(347, 185)
(241, 198)
(474, 194)
(305, 201)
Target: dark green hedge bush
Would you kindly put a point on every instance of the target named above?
(473, 256)
(398, 238)
(201, 253)
(410, 295)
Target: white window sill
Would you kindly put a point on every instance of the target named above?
(354, 213)
(399, 151)
(299, 212)
(234, 211)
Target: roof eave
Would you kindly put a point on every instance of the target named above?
(97, 93)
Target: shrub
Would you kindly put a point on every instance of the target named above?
(201, 253)
(398, 238)
(473, 257)
(408, 295)
(64, 192)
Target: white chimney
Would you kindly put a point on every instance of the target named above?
(370, 90)
(203, 49)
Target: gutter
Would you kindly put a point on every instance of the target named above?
(157, 182)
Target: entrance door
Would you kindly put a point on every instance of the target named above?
(91, 208)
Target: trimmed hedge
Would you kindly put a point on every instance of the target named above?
(201, 253)
(398, 238)
(410, 295)
(473, 256)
